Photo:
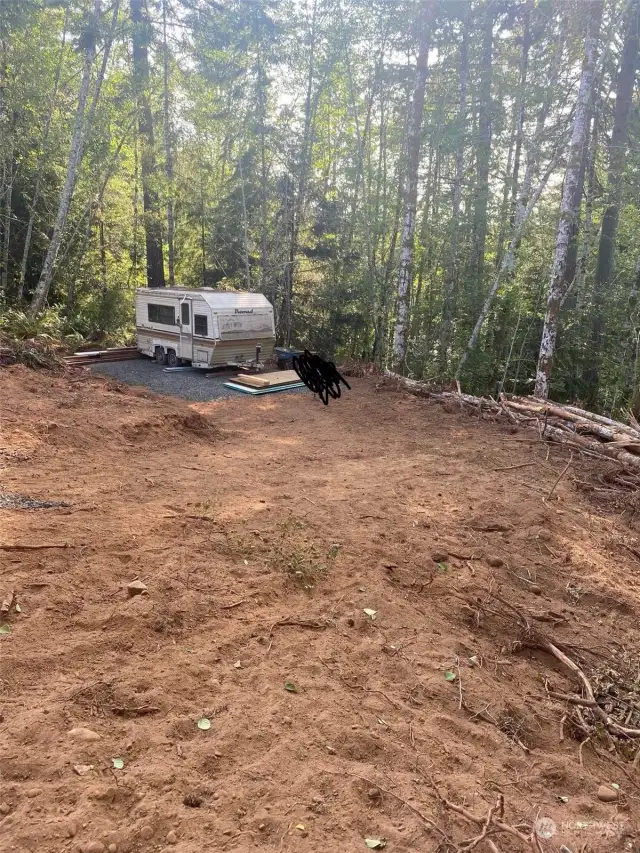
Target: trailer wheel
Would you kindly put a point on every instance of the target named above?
(172, 358)
(159, 355)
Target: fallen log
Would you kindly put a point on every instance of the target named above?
(422, 389)
(608, 433)
(612, 439)
(601, 419)
(610, 450)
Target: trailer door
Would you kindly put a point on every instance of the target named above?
(186, 329)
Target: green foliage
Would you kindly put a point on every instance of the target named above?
(36, 342)
(287, 125)
(20, 326)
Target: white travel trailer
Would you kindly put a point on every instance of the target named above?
(203, 327)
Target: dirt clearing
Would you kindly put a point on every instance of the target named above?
(338, 627)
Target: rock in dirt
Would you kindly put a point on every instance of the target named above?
(439, 556)
(8, 602)
(113, 847)
(93, 847)
(193, 801)
(72, 829)
(147, 832)
(607, 794)
(495, 562)
(172, 838)
(535, 589)
(5, 808)
(82, 734)
(82, 769)
(136, 588)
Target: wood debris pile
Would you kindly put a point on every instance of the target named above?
(576, 428)
(41, 351)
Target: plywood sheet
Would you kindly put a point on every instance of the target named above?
(236, 386)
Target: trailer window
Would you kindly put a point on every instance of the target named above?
(163, 314)
(200, 326)
(184, 308)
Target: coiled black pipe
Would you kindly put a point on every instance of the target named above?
(319, 376)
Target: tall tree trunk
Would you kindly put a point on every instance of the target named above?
(504, 220)
(364, 150)
(609, 227)
(264, 199)
(203, 231)
(533, 149)
(168, 150)
(433, 209)
(578, 238)
(579, 135)
(103, 252)
(451, 276)
(75, 156)
(527, 41)
(9, 171)
(414, 140)
(587, 230)
(5, 134)
(106, 52)
(95, 204)
(298, 206)
(141, 36)
(42, 162)
(135, 209)
(245, 226)
(571, 264)
(423, 265)
(510, 189)
(483, 160)
(507, 266)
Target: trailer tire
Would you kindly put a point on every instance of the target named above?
(172, 358)
(159, 355)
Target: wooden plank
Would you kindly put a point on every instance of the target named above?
(252, 381)
(268, 380)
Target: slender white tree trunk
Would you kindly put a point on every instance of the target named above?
(41, 167)
(452, 271)
(414, 140)
(533, 149)
(75, 156)
(6, 229)
(525, 202)
(567, 207)
(508, 262)
(106, 53)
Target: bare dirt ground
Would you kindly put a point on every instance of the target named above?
(263, 530)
